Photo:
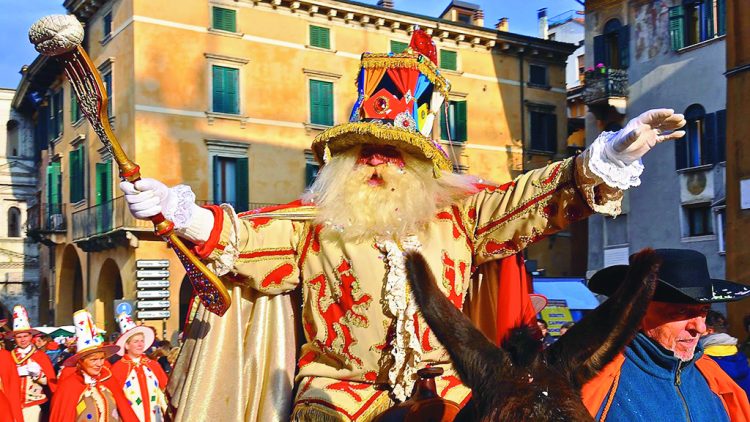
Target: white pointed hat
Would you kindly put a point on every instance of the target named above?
(21, 322)
(88, 338)
(128, 329)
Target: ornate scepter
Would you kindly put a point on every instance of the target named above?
(60, 36)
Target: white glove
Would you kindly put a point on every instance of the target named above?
(34, 369)
(145, 198)
(642, 133)
(23, 371)
(148, 197)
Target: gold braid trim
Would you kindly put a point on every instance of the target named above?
(347, 135)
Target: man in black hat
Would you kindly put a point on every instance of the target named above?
(663, 373)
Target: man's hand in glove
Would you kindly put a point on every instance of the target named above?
(642, 133)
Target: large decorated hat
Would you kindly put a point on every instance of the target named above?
(128, 329)
(399, 96)
(21, 322)
(88, 339)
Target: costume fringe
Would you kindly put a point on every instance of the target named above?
(335, 139)
(408, 61)
(314, 412)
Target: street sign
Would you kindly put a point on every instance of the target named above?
(152, 273)
(152, 294)
(150, 304)
(123, 306)
(153, 314)
(151, 284)
(152, 263)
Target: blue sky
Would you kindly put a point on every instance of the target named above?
(18, 15)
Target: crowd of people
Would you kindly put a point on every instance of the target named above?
(84, 378)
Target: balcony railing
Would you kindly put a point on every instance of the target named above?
(53, 219)
(104, 218)
(602, 85)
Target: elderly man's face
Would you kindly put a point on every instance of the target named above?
(676, 327)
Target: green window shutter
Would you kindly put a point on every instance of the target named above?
(54, 195)
(677, 27)
(707, 24)
(75, 162)
(461, 123)
(225, 89)
(217, 179)
(321, 102)
(218, 88)
(242, 185)
(224, 19)
(448, 60)
(398, 46)
(311, 172)
(75, 112)
(103, 182)
(320, 37)
(443, 123)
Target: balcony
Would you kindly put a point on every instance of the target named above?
(606, 88)
(54, 219)
(104, 226)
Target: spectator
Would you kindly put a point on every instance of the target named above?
(663, 374)
(565, 327)
(723, 349)
(547, 338)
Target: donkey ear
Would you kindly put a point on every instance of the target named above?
(477, 361)
(603, 333)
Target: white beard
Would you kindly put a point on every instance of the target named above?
(403, 204)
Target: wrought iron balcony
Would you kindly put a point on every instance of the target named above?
(105, 218)
(54, 218)
(602, 86)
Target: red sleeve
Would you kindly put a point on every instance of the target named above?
(11, 383)
(65, 399)
(6, 413)
(159, 372)
(43, 360)
(513, 303)
(120, 371)
(205, 250)
(123, 405)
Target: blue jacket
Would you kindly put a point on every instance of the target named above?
(736, 367)
(656, 386)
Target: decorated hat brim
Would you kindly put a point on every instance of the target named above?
(342, 137)
(109, 350)
(10, 334)
(148, 337)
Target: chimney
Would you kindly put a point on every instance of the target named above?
(388, 4)
(478, 18)
(502, 25)
(541, 16)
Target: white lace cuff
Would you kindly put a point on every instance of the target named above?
(190, 221)
(614, 173)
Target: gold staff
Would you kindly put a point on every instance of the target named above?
(60, 36)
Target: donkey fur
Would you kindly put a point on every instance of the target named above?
(519, 381)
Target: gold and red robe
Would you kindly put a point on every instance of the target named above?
(35, 391)
(346, 308)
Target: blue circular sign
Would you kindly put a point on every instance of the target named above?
(124, 307)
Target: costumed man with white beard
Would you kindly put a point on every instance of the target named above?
(385, 187)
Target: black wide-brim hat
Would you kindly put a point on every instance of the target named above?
(683, 278)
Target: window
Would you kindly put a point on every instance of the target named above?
(14, 222)
(612, 47)
(705, 138)
(464, 18)
(456, 125)
(225, 90)
(698, 219)
(107, 25)
(721, 225)
(107, 80)
(696, 21)
(581, 68)
(616, 230)
(448, 60)
(77, 162)
(75, 112)
(103, 196)
(543, 125)
(320, 37)
(55, 128)
(311, 172)
(231, 182)
(398, 46)
(224, 19)
(321, 102)
(12, 133)
(538, 75)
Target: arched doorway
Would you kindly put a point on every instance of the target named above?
(108, 288)
(70, 287)
(186, 295)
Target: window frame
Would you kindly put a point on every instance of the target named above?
(310, 102)
(107, 70)
(107, 21)
(399, 42)
(688, 229)
(460, 134)
(235, 23)
(226, 149)
(238, 88)
(17, 228)
(442, 59)
(541, 84)
(329, 37)
(77, 174)
(549, 111)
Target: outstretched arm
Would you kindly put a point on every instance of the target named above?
(595, 340)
